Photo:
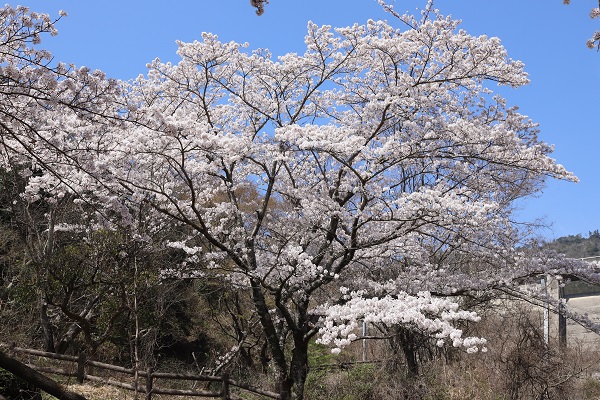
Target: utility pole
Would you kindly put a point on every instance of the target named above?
(546, 311)
(364, 341)
(562, 320)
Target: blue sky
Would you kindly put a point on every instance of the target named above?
(120, 37)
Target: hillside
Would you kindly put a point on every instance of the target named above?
(577, 246)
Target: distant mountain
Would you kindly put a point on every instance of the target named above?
(577, 246)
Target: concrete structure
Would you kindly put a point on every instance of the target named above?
(581, 298)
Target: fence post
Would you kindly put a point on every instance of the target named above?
(225, 379)
(81, 367)
(149, 379)
(11, 349)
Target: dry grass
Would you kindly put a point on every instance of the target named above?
(105, 392)
(101, 392)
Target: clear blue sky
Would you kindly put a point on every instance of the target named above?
(120, 37)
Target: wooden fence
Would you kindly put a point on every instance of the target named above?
(142, 382)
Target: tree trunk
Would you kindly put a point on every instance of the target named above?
(46, 326)
(290, 377)
(285, 387)
(410, 353)
(291, 386)
(264, 357)
(283, 379)
(67, 340)
(406, 342)
(37, 379)
(299, 367)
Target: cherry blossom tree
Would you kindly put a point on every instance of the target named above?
(372, 177)
(378, 151)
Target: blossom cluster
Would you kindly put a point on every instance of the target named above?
(422, 313)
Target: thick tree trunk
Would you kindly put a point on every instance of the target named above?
(272, 338)
(291, 386)
(37, 379)
(291, 374)
(410, 353)
(405, 342)
(285, 387)
(299, 367)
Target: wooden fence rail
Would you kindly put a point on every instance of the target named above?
(82, 368)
